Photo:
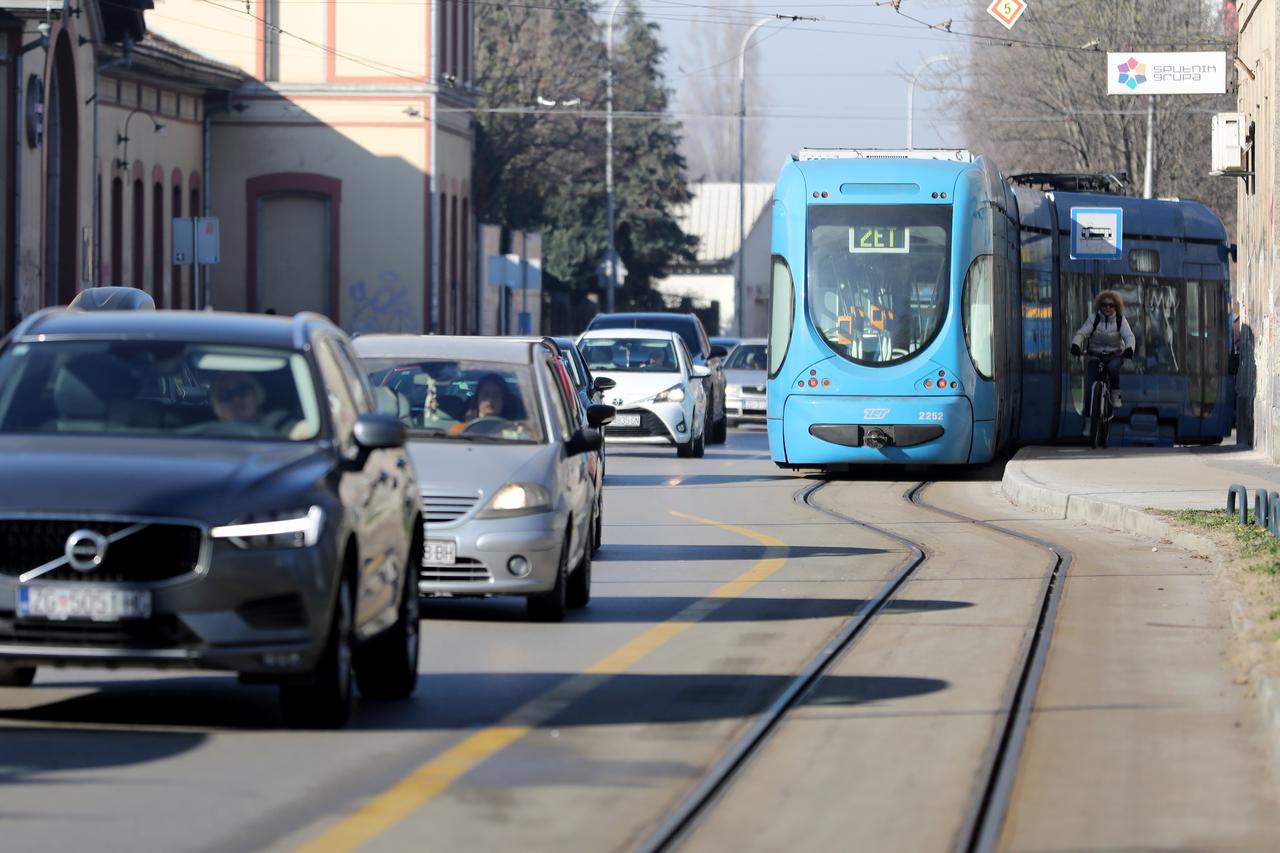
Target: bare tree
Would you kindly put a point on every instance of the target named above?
(711, 145)
(1037, 101)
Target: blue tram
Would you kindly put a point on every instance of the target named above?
(922, 307)
(1173, 277)
(896, 324)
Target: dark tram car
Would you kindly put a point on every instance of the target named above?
(1174, 280)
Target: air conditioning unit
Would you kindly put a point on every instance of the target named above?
(1229, 147)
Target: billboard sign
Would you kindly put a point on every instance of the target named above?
(1200, 73)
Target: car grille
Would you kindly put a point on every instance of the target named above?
(753, 389)
(466, 569)
(159, 551)
(650, 425)
(447, 507)
(158, 632)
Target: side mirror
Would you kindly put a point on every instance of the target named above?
(378, 431)
(700, 371)
(602, 383)
(598, 415)
(584, 440)
(718, 351)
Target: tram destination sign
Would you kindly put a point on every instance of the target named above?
(1097, 233)
(879, 239)
(1195, 73)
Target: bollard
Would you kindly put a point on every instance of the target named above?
(1273, 520)
(1261, 508)
(1235, 492)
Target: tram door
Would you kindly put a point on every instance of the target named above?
(1206, 341)
(1079, 287)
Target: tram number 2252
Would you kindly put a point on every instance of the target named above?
(931, 416)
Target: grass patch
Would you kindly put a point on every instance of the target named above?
(1253, 542)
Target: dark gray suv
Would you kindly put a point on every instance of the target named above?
(205, 490)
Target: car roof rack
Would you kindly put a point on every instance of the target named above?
(1112, 183)
(958, 155)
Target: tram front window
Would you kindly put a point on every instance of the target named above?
(878, 278)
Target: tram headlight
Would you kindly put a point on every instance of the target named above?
(674, 394)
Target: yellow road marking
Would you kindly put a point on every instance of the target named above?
(435, 776)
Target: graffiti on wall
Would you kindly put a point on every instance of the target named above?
(383, 307)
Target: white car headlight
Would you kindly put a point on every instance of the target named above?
(733, 390)
(517, 499)
(674, 394)
(290, 529)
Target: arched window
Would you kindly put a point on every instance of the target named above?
(117, 231)
(139, 236)
(157, 244)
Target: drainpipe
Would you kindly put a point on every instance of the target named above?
(123, 61)
(433, 309)
(19, 132)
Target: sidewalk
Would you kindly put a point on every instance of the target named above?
(1115, 488)
(1119, 488)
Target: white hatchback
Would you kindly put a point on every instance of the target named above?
(655, 392)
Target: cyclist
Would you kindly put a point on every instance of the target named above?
(1107, 337)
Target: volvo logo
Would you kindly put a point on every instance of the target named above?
(85, 550)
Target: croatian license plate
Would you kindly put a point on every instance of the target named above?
(440, 552)
(98, 604)
(626, 421)
(754, 405)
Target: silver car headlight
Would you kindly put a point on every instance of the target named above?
(299, 528)
(517, 499)
(674, 394)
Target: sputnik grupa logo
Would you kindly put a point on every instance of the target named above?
(1132, 73)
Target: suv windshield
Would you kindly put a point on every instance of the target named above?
(146, 387)
(630, 355)
(461, 400)
(682, 326)
(746, 357)
(878, 278)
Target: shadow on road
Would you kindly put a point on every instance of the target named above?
(746, 553)
(664, 480)
(619, 609)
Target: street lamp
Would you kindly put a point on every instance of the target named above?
(123, 138)
(608, 157)
(742, 166)
(911, 91)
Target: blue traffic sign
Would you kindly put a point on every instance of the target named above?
(1097, 233)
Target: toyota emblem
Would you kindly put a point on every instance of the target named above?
(85, 550)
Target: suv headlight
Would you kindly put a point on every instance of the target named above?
(297, 528)
(517, 499)
(674, 394)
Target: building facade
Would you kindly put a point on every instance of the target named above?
(332, 141)
(1258, 257)
(340, 169)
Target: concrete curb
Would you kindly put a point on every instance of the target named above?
(1025, 491)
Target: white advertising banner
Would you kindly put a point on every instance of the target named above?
(1200, 73)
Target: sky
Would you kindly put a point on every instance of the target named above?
(839, 82)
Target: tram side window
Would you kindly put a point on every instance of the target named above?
(979, 333)
(782, 311)
(1163, 310)
(1037, 319)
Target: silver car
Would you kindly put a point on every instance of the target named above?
(746, 377)
(507, 496)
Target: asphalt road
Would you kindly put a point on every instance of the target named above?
(714, 587)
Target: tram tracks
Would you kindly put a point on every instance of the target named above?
(984, 818)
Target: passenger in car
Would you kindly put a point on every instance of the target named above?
(236, 397)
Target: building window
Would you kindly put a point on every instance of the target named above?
(157, 244)
(465, 252)
(114, 275)
(454, 289)
(442, 300)
(179, 295)
(139, 235)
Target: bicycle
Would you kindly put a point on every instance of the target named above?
(1098, 408)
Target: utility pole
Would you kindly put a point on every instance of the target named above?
(742, 168)
(608, 156)
(911, 93)
(1151, 121)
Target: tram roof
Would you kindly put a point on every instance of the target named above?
(1143, 217)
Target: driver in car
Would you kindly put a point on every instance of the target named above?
(237, 397)
(491, 400)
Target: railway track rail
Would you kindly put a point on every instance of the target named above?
(983, 821)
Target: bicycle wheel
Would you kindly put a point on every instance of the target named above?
(1097, 426)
